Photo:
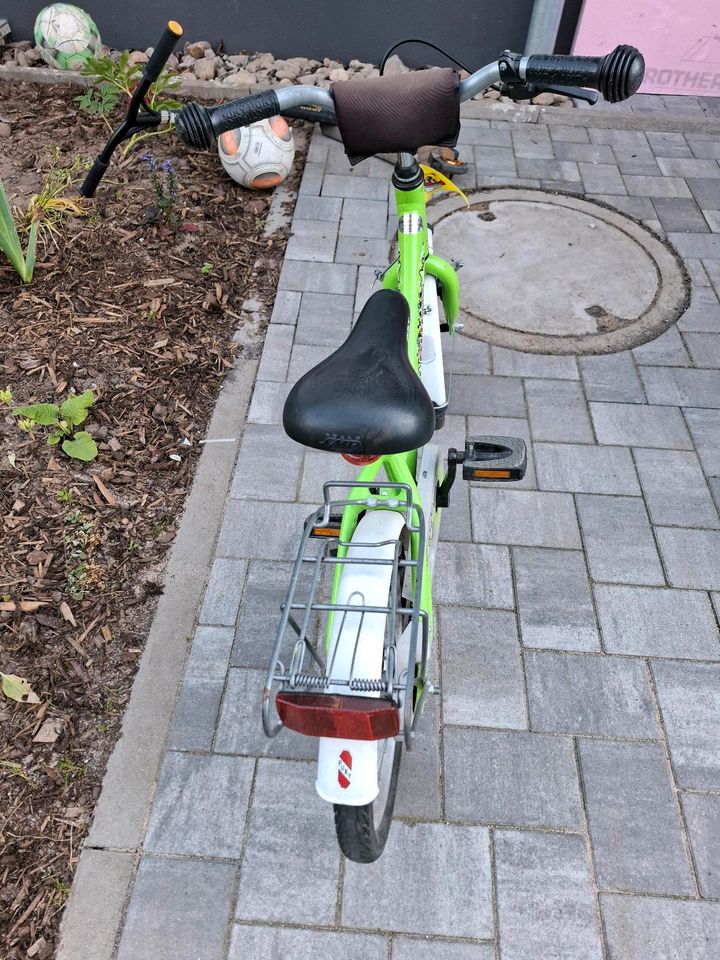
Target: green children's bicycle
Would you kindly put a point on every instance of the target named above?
(350, 662)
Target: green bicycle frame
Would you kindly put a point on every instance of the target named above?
(406, 274)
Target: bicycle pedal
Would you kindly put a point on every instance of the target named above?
(494, 458)
(327, 531)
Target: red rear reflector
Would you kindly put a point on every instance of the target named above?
(359, 461)
(333, 715)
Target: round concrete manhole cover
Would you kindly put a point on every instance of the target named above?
(552, 273)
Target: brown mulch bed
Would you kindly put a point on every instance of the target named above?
(121, 307)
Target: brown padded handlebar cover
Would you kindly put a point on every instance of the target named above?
(390, 114)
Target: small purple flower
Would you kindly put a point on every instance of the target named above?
(150, 161)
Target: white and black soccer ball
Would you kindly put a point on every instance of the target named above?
(260, 155)
(66, 35)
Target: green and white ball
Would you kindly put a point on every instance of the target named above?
(66, 35)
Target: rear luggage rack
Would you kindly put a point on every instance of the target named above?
(299, 663)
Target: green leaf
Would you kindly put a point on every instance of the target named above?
(9, 239)
(55, 438)
(75, 408)
(27, 273)
(45, 414)
(17, 688)
(81, 447)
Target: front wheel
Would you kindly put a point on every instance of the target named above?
(363, 831)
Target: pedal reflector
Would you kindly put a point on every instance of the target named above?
(334, 715)
(492, 474)
(329, 533)
(494, 458)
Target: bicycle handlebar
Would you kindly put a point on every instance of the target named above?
(617, 76)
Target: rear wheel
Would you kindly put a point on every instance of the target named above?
(363, 831)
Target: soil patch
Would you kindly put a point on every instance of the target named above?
(145, 317)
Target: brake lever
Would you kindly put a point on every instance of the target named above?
(526, 91)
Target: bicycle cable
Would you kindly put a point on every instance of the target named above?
(427, 43)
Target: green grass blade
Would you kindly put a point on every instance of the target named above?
(9, 239)
(29, 266)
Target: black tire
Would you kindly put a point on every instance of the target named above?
(363, 831)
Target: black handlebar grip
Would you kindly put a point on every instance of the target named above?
(161, 53)
(617, 76)
(199, 126)
(93, 178)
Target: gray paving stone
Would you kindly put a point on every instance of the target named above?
(637, 166)
(704, 148)
(618, 540)
(276, 352)
(554, 602)
(611, 377)
(466, 355)
(558, 411)
(532, 141)
(599, 695)
(545, 898)
(200, 806)
(602, 178)
(681, 167)
(639, 207)
(317, 208)
(675, 489)
(561, 186)
(525, 517)
(364, 218)
(633, 821)
(304, 357)
(628, 141)
(703, 314)
(640, 425)
(649, 928)
(585, 469)
(276, 943)
(705, 192)
(590, 153)
(240, 730)
(472, 574)
(667, 350)
(680, 214)
(506, 427)
(268, 465)
(482, 679)
(647, 622)
(480, 132)
(318, 277)
(361, 250)
(197, 710)
(668, 144)
(702, 815)
(312, 240)
(444, 873)
(549, 169)
(418, 792)
(356, 188)
(367, 284)
(648, 186)
(179, 910)
(487, 396)
(689, 697)
(510, 777)
(702, 245)
(267, 402)
(324, 319)
(261, 530)
(514, 363)
(704, 349)
(680, 387)
(494, 161)
(565, 133)
(280, 880)
(691, 557)
(320, 467)
(407, 948)
(705, 429)
(286, 306)
(312, 180)
(224, 589)
(265, 591)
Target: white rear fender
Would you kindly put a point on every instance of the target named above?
(347, 769)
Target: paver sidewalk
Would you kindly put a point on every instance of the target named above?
(563, 799)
